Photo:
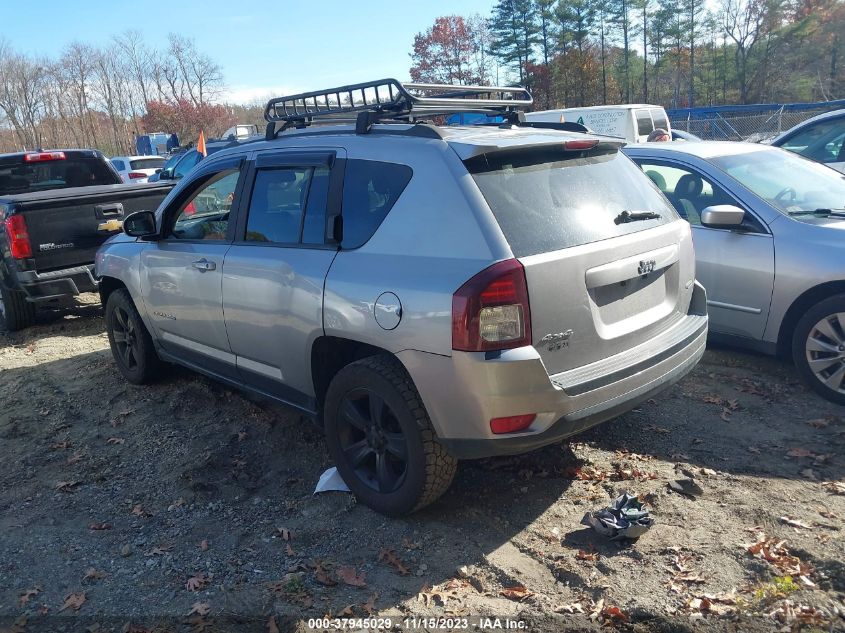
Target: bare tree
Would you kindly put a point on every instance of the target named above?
(22, 83)
(743, 21)
(199, 77)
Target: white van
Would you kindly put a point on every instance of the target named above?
(633, 122)
(240, 132)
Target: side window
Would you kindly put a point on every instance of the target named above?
(186, 164)
(276, 207)
(821, 142)
(688, 191)
(658, 115)
(205, 215)
(370, 190)
(644, 124)
(118, 165)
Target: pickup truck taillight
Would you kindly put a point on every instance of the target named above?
(137, 174)
(490, 311)
(18, 237)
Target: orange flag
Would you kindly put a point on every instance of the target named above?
(201, 145)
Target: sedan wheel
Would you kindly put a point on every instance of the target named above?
(818, 348)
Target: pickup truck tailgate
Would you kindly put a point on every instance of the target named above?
(67, 226)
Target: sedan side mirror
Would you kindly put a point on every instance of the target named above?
(140, 224)
(722, 216)
(165, 174)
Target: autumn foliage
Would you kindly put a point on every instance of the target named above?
(187, 119)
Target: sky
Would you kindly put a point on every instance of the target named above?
(265, 48)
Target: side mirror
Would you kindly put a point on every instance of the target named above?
(722, 216)
(140, 224)
(165, 174)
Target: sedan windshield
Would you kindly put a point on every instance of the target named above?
(791, 184)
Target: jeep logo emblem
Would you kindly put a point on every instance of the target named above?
(646, 266)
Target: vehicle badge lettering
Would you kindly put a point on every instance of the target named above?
(646, 266)
(556, 341)
(50, 246)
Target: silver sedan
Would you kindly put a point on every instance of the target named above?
(769, 234)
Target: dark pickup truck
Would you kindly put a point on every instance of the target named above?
(57, 207)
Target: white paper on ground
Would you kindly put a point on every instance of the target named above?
(331, 481)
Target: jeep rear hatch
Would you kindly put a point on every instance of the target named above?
(606, 261)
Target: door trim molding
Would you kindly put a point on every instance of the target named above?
(732, 306)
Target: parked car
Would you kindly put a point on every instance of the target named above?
(768, 229)
(632, 122)
(57, 207)
(428, 293)
(178, 165)
(137, 168)
(821, 138)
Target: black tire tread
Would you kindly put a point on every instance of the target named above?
(20, 313)
(440, 466)
(152, 363)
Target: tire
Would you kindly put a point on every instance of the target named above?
(16, 313)
(818, 348)
(131, 345)
(394, 465)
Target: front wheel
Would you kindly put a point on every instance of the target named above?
(382, 440)
(818, 348)
(131, 345)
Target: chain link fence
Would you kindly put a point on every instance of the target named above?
(746, 123)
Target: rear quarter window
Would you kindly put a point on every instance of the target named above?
(645, 126)
(370, 189)
(547, 200)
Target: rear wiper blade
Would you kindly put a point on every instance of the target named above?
(627, 216)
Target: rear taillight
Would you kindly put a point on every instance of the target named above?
(18, 237)
(37, 157)
(137, 174)
(491, 311)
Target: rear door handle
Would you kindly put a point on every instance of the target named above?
(203, 265)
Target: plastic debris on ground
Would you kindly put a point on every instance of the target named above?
(626, 517)
(331, 481)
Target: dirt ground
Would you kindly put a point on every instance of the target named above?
(186, 506)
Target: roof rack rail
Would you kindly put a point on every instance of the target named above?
(389, 99)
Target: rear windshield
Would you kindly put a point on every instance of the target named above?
(147, 163)
(24, 177)
(544, 201)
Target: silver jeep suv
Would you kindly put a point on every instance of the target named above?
(428, 293)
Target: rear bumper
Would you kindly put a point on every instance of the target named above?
(462, 393)
(57, 283)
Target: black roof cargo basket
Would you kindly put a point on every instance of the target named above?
(389, 99)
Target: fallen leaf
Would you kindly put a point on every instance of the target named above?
(197, 581)
(733, 405)
(349, 576)
(711, 399)
(610, 613)
(836, 487)
(67, 486)
(800, 452)
(819, 423)
(74, 458)
(390, 557)
(138, 511)
(753, 449)
(370, 605)
(204, 545)
(323, 576)
(115, 440)
(60, 446)
(775, 552)
(517, 592)
(93, 574)
(100, 526)
(241, 436)
(347, 611)
(200, 608)
(159, 550)
(289, 550)
(569, 608)
(725, 415)
(29, 593)
(272, 627)
(73, 601)
(585, 555)
(795, 523)
(176, 504)
(284, 533)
